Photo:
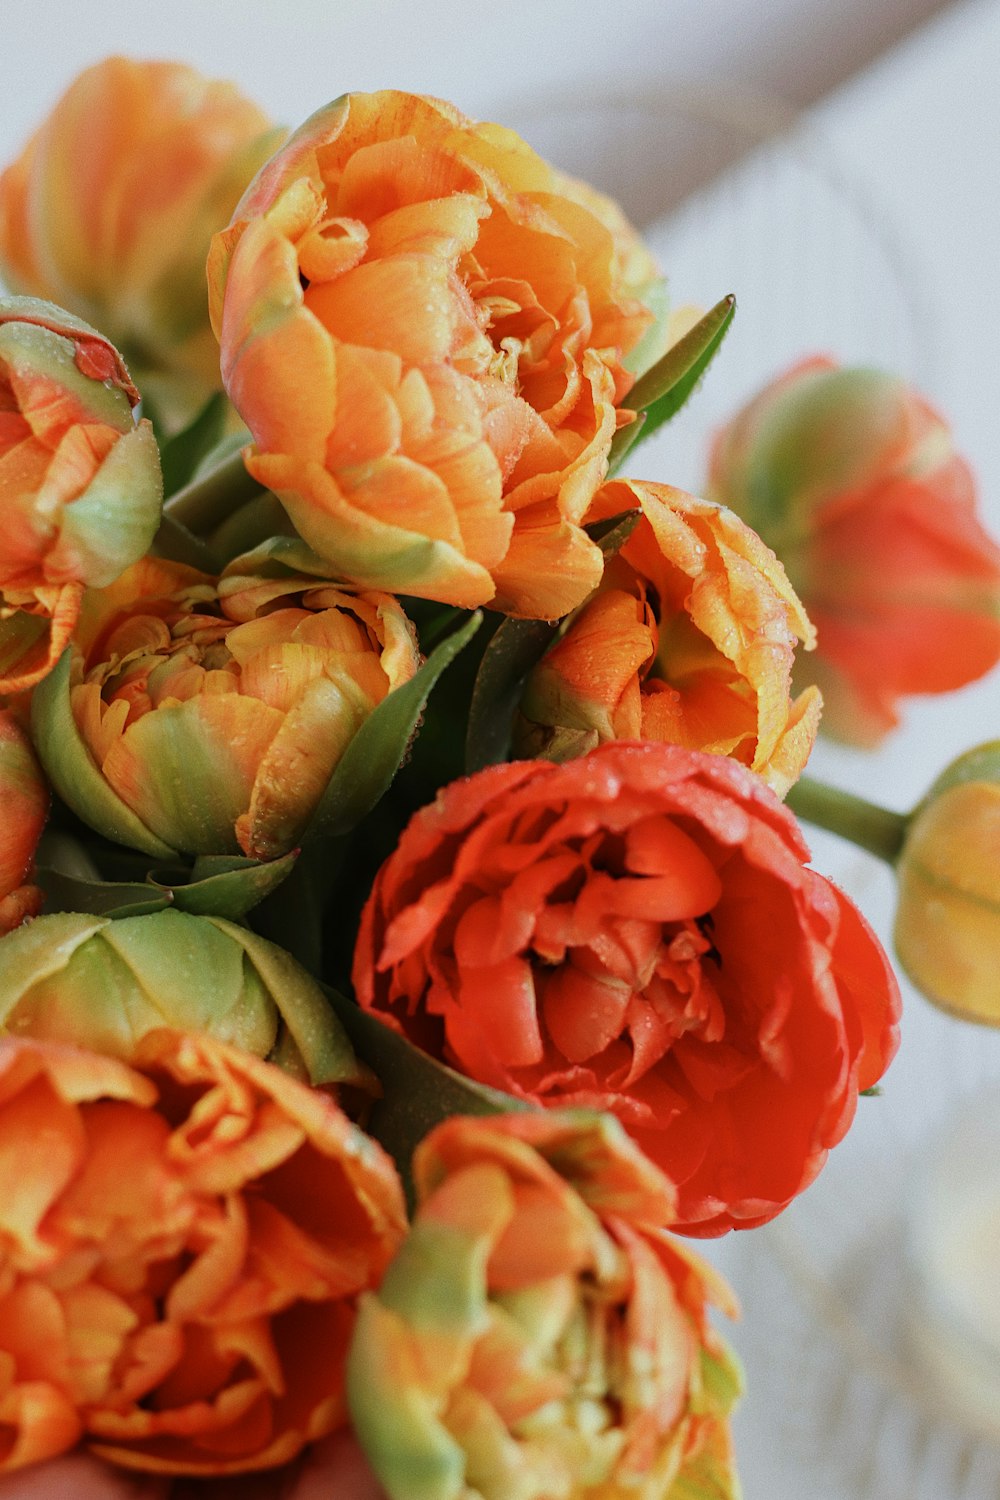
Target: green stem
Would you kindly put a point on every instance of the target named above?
(208, 500)
(866, 824)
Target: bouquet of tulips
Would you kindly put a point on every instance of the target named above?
(407, 948)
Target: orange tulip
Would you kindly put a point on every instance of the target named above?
(216, 711)
(539, 1333)
(110, 208)
(24, 798)
(180, 1264)
(80, 482)
(689, 639)
(853, 479)
(430, 332)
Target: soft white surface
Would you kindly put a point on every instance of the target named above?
(294, 55)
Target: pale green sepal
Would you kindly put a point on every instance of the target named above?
(68, 764)
(371, 760)
(40, 340)
(314, 1026)
(665, 388)
(199, 785)
(114, 521)
(437, 1280)
(192, 974)
(92, 982)
(722, 1379)
(37, 950)
(395, 1416)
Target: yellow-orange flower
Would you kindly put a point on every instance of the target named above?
(80, 482)
(24, 798)
(690, 639)
(110, 208)
(217, 710)
(429, 332)
(179, 1266)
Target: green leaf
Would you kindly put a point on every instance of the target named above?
(101, 898)
(516, 647)
(371, 760)
(174, 542)
(224, 885)
(507, 660)
(418, 1091)
(215, 492)
(68, 764)
(664, 389)
(181, 454)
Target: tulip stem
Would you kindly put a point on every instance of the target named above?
(864, 823)
(206, 501)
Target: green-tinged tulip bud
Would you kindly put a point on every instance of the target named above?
(539, 1333)
(207, 716)
(80, 482)
(855, 481)
(104, 984)
(948, 919)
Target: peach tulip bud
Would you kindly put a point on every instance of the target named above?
(430, 333)
(183, 1241)
(853, 479)
(110, 208)
(24, 798)
(80, 483)
(948, 916)
(690, 639)
(207, 716)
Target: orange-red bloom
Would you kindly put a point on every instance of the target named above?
(179, 1265)
(80, 482)
(217, 710)
(429, 332)
(539, 1333)
(110, 208)
(690, 639)
(637, 930)
(853, 479)
(24, 798)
